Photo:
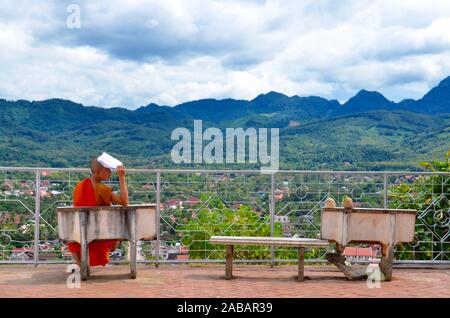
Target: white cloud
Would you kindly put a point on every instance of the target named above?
(136, 52)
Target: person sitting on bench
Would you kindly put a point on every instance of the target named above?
(92, 192)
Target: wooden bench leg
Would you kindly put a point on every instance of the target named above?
(301, 264)
(229, 263)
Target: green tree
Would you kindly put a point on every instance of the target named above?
(219, 219)
(430, 196)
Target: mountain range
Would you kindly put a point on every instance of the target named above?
(366, 132)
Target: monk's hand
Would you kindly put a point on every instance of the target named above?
(121, 172)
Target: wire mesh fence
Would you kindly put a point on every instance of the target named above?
(196, 204)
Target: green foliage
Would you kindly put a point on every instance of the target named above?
(437, 165)
(219, 219)
(431, 194)
(60, 133)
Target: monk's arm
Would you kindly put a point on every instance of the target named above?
(122, 198)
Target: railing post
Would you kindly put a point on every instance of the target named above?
(37, 212)
(158, 215)
(385, 192)
(272, 216)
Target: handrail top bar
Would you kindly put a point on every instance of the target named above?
(212, 171)
(106, 207)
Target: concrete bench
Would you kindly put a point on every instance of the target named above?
(386, 227)
(300, 243)
(86, 224)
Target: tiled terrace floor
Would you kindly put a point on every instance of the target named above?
(207, 281)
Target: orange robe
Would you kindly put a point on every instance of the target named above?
(86, 195)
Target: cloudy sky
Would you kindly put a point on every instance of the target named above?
(131, 53)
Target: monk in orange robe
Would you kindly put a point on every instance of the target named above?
(92, 192)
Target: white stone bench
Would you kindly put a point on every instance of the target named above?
(386, 227)
(86, 224)
(300, 243)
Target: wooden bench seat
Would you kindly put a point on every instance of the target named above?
(300, 243)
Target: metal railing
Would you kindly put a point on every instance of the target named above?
(195, 204)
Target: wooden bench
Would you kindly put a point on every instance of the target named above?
(300, 243)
